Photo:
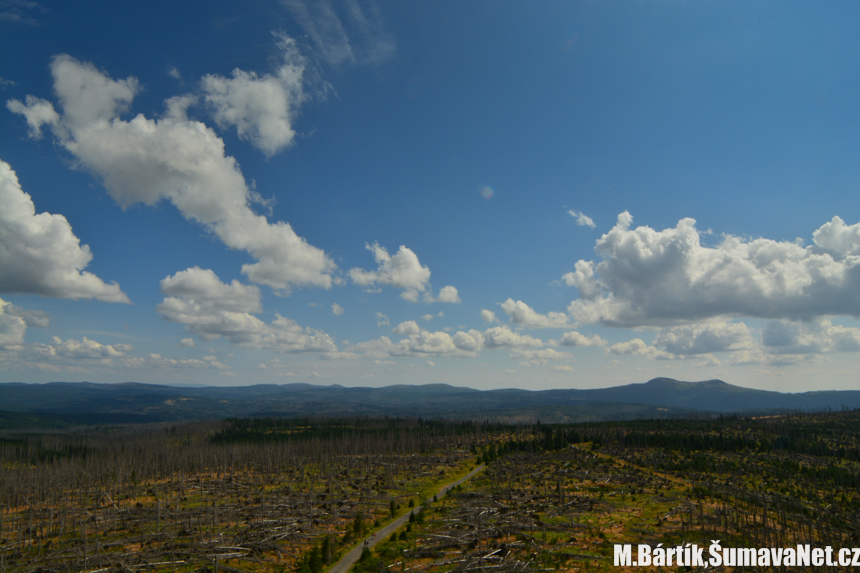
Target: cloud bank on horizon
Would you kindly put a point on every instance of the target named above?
(251, 297)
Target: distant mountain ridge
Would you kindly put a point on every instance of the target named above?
(660, 397)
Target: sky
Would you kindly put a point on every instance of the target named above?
(537, 195)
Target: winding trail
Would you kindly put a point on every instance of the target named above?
(348, 560)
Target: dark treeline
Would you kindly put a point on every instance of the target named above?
(388, 430)
(821, 435)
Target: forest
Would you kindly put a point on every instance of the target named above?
(270, 494)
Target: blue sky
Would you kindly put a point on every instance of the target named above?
(485, 194)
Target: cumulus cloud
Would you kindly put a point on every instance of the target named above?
(838, 239)
(348, 33)
(158, 361)
(39, 253)
(784, 337)
(419, 342)
(488, 316)
(84, 349)
(336, 309)
(574, 338)
(562, 368)
(407, 328)
(448, 294)
(12, 328)
(401, 270)
(37, 112)
(692, 340)
(705, 338)
(502, 336)
(382, 320)
(582, 219)
(212, 309)
(187, 343)
(182, 161)
(638, 347)
(339, 356)
(425, 342)
(79, 355)
(782, 342)
(524, 315)
(422, 343)
(31, 317)
(261, 108)
(648, 277)
(531, 357)
(204, 287)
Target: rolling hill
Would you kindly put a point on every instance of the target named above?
(66, 403)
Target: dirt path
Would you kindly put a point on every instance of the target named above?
(352, 556)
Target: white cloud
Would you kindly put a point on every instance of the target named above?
(574, 338)
(31, 317)
(12, 328)
(336, 309)
(407, 328)
(84, 349)
(204, 287)
(339, 356)
(378, 348)
(187, 343)
(782, 342)
(382, 320)
(582, 219)
(356, 35)
(583, 279)
(158, 361)
(562, 368)
(183, 161)
(448, 294)
(649, 277)
(530, 357)
(692, 340)
(422, 343)
(838, 239)
(428, 316)
(401, 270)
(80, 355)
(784, 337)
(37, 112)
(501, 336)
(176, 107)
(471, 341)
(262, 108)
(524, 315)
(212, 310)
(488, 316)
(39, 254)
(705, 338)
(638, 347)
(418, 344)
